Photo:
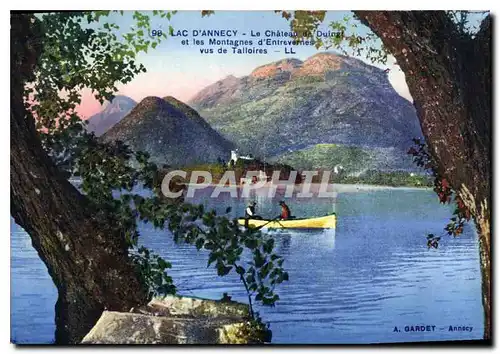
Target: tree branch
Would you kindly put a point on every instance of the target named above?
(449, 77)
(431, 53)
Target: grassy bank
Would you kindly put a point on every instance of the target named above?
(370, 177)
(392, 179)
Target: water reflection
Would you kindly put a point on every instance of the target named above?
(348, 285)
(323, 239)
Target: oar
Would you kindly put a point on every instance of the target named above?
(261, 226)
(279, 222)
(275, 219)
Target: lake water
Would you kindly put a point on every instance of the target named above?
(354, 284)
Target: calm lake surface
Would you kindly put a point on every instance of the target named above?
(349, 285)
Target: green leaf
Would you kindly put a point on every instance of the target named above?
(199, 243)
(163, 264)
(251, 243)
(222, 269)
(240, 270)
(274, 257)
(211, 258)
(258, 259)
(268, 246)
(250, 279)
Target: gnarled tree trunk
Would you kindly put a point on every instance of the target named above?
(86, 258)
(449, 77)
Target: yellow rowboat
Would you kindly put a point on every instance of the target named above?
(322, 222)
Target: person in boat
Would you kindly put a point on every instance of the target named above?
(250, 212)
(285, 211)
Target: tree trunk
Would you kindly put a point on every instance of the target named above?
(449, 76)
(85, 256)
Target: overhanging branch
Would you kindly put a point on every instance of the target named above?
(434, 57)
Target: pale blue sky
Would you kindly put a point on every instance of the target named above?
(181, 71)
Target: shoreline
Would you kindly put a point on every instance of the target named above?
(314, 187)
(377, 187)
(332, 187)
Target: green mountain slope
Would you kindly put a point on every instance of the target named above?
(171, 132)
(354, 160)
(327, 156)
(291, 105)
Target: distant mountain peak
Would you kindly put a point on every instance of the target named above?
(271, 69)
(123, 98)
(228, 81)
(151, 101)
(170, 98)
(320, 63)
(169, 105)
(316, 65)
(112, 112)
(171, 131)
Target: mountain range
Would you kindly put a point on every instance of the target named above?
(289, 111)
(290, 105)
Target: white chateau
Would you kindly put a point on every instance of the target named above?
(235, 156)
(261, 176)
(337, 169)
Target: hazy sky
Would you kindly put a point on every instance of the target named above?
(181, 71)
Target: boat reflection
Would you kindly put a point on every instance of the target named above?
(285, 239)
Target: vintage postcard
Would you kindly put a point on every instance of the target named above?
(250, 177)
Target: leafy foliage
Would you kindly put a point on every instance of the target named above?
(345, 32)
(444, 191)
(433, 241)
(344, 37)
(206, 13)
(221, 237)
(76, 57)
(152, 269)
(226, 242)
